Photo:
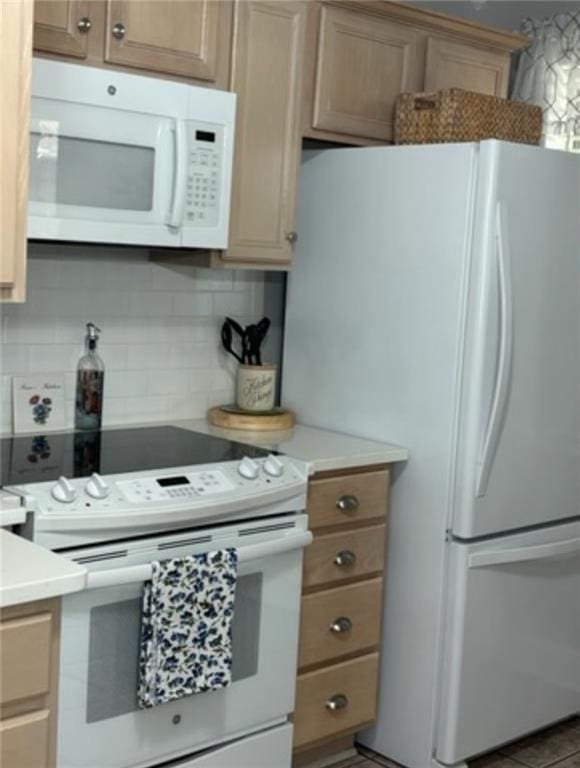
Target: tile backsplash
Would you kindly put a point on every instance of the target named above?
(160, 329)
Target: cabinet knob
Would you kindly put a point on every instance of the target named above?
(84, 24)
(337, 702)
(341, 625)
(119, 31)
(347, 503)
(292, 237)
(345, 558)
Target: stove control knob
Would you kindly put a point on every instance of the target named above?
(97, 487)
(64, 491)
(248, 468)
(273, 466)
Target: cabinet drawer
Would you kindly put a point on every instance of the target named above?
(25, 657)
(340, 621)
(24, 740)
(333, 557)
(350, 687)
(347, 499)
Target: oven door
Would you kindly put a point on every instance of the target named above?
(98, 174)
(100, 723)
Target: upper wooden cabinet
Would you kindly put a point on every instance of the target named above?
(171, 36)
(267, 76)
(360, 54)
(15, 66)
(62, 26)
(451, 64)
(362, 64)
(184, 38)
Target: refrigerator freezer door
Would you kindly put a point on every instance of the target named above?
(519, 444)
(511, 651)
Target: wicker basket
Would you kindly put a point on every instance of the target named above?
(453, 114)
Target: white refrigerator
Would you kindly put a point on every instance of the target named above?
(435, 303)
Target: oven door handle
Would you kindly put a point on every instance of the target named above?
(137, 573)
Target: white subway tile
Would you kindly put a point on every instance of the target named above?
(160, 329)
(192, 304)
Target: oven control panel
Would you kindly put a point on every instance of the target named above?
(178, 487)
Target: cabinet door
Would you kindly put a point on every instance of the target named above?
(455, 65)
(62, 26)
(267, 58)
(363, 63)
(24, 740)
(15, 65)
(169, 36)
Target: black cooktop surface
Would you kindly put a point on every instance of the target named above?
(39, 458)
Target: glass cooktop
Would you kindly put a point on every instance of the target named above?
(40, 458)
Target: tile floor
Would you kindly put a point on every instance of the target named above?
(556, 747)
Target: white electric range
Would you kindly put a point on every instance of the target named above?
(116, 501)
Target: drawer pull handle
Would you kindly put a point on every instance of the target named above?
(345, 558)
(337, 702)
(348, 503)
(341, 625)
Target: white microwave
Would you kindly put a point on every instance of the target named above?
(117, 158)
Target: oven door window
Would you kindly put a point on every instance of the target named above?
(99, 720)
(113, 659)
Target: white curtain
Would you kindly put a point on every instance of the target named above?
(549, 75)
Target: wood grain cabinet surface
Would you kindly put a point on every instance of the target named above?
(29, 647)
(363, 63)
(451, 64)
(267, 76)
(340, 620)
(175, 38)
(336, 699)
(15, 66)
(62, 27)
(360, 54)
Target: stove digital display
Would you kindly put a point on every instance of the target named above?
(165, 482)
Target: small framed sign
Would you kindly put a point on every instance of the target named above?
(38, 403)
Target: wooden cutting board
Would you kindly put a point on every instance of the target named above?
(230, 417)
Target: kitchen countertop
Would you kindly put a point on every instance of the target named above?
(322, 449)
(29, 572)
(11, 510)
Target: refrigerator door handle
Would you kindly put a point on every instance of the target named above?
(521, 554)
(504, 368)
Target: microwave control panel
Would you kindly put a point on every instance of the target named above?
(204, 174)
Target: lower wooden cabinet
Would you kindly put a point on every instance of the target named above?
(335, 700)
(340, 622)
(341, 611)
(24, 740)
(29, 645)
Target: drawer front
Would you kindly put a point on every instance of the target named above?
(347, 499)
(25, 657)
(336, 699)
(334, 557)
(24, 740)
(338, 622)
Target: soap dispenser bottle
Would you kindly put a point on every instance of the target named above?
(90, 381)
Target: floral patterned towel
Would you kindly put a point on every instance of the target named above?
(186, 644)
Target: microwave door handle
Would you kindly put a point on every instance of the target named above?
(141, 573)
(175, 217)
